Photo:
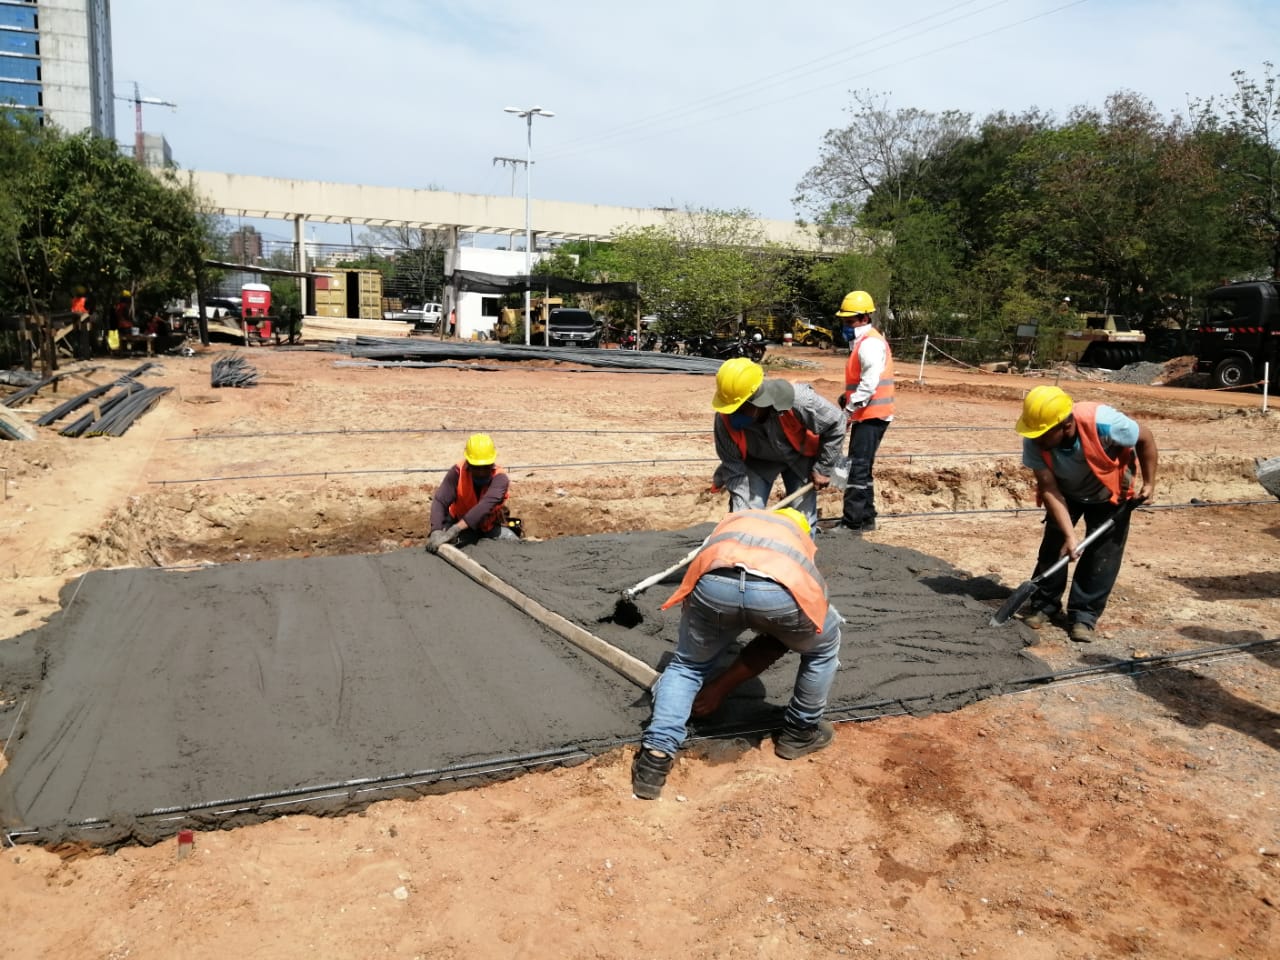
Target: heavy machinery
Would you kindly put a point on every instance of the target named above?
(1105, 340)
(1240, 334)
(510, 325)
(806, 334)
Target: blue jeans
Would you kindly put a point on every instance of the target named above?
(760, 480)
(723, 604)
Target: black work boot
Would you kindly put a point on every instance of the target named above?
(649, 773)
(791, 743)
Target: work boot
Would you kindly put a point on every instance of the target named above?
(791, 743)
(1081, 632)
(649, 773)
(1037, 619)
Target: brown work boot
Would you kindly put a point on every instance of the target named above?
(1081, 632)
(1037, 619)
(791, 743)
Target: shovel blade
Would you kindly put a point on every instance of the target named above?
(1016, 599)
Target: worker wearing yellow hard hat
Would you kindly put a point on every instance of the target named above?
(771, 428)
(1083, 456)
(756, 571)
(472, 497)
(868, 402)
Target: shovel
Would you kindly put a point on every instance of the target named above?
(628, 615)
(1023, 593)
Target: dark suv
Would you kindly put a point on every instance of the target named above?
(570, 325)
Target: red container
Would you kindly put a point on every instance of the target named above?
(255, 300)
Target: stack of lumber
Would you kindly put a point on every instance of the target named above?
(318, 329)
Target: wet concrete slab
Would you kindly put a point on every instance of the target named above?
(230, 693)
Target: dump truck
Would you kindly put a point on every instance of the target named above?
(1239, 334)
(1103, 340)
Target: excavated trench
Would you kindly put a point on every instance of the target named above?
(179, 525)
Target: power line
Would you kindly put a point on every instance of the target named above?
(641, 136)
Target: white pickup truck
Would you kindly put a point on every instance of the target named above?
(424, 316)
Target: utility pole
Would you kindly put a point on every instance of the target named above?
(527, 116)
(511, 162)
(138, 100)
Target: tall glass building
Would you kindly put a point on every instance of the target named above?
(55, 61)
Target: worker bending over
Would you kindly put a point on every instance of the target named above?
(755, 572)
(868, 402)
(1082, 455)
(472, 497)
(770, 428)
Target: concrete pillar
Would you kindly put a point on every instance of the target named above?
(300, 260)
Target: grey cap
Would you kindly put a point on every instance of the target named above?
(779, 394)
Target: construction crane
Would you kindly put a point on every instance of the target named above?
(138, 100)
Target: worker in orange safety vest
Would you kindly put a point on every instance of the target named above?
(472, 497)
(755, 571)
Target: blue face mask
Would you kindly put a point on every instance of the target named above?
(740, 421)
(848, 334)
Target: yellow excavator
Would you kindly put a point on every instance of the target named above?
(806, 334)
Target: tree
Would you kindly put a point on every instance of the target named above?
(76, 213)
(1248, 148)
(702, 269)
(414, 260)
(880, 156)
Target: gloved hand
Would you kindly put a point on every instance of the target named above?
(440, 537)
(842, 400)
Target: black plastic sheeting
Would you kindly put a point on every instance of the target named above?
(471, 281)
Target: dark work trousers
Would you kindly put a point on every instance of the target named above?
(860, 495)
(1096, 570)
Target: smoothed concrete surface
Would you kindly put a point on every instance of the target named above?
(222, 690)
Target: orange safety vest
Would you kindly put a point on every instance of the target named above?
(1110, 472)
(798, 435)
(468, 498)
(880, 406)
(768, 544)
(78, 305)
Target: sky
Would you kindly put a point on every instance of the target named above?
(719, 105)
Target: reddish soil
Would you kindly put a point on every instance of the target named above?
(1130, 816)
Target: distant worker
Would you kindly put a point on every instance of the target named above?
(868, 403)
(770, 428)
(81, 325)
(755, 572)
(1083, 456)
(471, 501)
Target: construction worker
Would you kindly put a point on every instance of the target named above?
(868, 403)
(755, 572)
(770, 428)
(471, 500)
(1082, 455)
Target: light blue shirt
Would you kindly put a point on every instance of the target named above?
(1075, 479)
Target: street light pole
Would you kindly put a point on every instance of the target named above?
(527, 116)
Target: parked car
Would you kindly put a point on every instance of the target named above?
(571, 326)
(424, 316)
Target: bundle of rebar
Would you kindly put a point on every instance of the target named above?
(373, 348)
(232, 371)
(62, 409)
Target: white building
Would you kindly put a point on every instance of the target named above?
(478, 312)
(55, 62)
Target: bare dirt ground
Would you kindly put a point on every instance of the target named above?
(1125, 817)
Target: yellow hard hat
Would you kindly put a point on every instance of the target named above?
(736, 380)
(856, 303)
(125, 293)
(480, 450)
(796, 517)
(1042, 410)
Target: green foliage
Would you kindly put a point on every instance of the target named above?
(702, 270)
(75, 212)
